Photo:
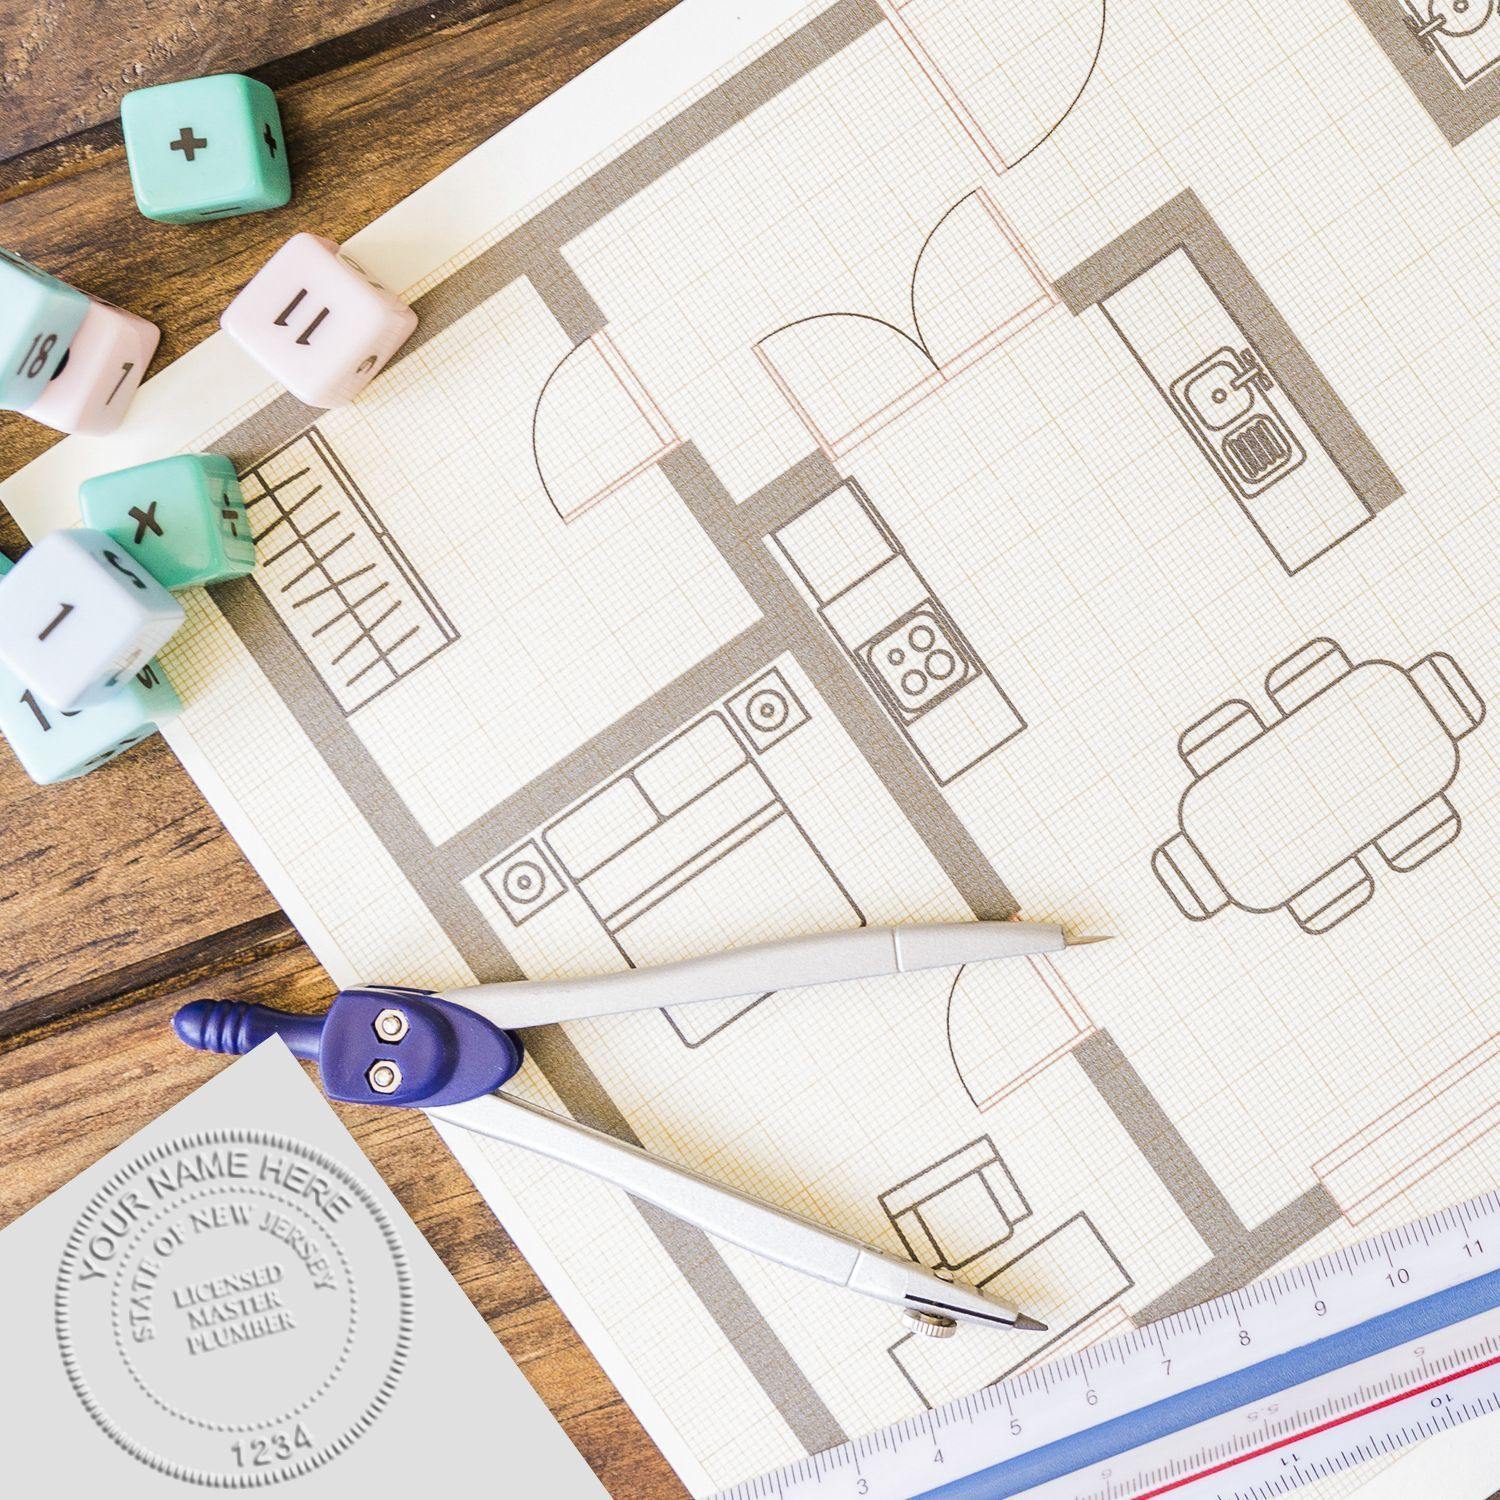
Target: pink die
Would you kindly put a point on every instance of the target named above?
(104, 366)
(317, 322)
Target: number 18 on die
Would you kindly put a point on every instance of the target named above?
(38, 317)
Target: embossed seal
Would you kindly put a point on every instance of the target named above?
(234, 1308)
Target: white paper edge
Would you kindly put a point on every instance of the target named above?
(556, 138)
(496, 180)
(601, 1343)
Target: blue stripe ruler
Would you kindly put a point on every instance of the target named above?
(1303, 1373)
(1258, 1382)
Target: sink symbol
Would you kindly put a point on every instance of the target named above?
(1451, 18)
(1225, 402)
(1465, 34)
(1219, 391)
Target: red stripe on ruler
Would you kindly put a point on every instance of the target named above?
(1286, 1442)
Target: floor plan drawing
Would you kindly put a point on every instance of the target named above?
(336, 576)
(951, 1213)
(1005, 1029)
(595, 428)
(1011, 86)
(695, 824)
(1281, 814)
(847, 374)
(825, 497)
(1237, 379)
(1448, 51)
(1073, 1250)
(905, 644)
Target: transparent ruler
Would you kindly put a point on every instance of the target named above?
(1303, 1374)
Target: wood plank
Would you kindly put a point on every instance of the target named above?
(383, 114)
(113, 881)
(52, 83)
(126, 866)
(73, 1092)
(122, 896)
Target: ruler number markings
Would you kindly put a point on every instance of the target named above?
(1437, 1277)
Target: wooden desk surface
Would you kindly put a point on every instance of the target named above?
(121, 895)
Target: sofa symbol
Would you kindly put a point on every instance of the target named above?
(1283, 814)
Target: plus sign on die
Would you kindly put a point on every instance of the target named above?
(189, 144)
(318, 321)
(205, 148)
(78, 616)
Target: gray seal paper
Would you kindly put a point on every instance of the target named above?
(234, 1300)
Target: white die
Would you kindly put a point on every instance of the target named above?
(78, 615)
(317, 322)
(104, 366)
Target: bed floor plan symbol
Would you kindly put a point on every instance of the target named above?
(696, 824)
(1280, 814)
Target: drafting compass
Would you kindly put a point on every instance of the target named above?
(450, 1053)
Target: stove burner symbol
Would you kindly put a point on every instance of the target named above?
(524, 882)
(766, 711)
(919, 661)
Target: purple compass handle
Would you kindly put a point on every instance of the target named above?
(376, 1046)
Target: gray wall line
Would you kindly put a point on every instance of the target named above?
(804, 635)
(1457, 111)
(1184, 223)
(566, 298)
(698, 1261)
(618, 745)
(1118, 1084)
(534, 249)
(1259, 1251)
(786, 496)
(1236, 1255)
(540, 240)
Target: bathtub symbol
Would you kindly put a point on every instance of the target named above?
(1225, 402)
(1280, 814)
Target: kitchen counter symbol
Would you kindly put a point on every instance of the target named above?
(1280, 814)
(923, 671)
(1226, 404)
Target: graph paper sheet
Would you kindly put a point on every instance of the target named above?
(891, 460)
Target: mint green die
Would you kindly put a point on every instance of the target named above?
(56, 746)
(38, 317)
(205, 148)
(183, 518)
